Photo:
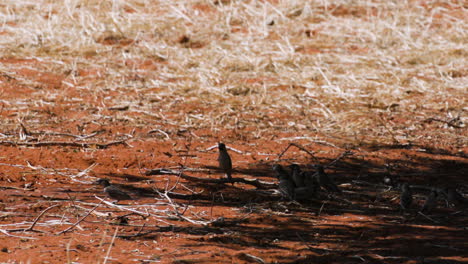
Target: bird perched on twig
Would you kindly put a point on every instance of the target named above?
(113, 191)
(297, 175)
(325, 181)
(430, 203)
(225, 163)
(406, 196)
(286, 184)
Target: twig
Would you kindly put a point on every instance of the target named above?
(451, 122)
(344, 154)
(34, 222)
(122, 207)
(135, 235)
(365, 183)
(78, 137)
(110, 246)
(444, 246)
(434, 221)
(321, 208)
(31, 228)
(10, 235)
(228, 147)
(79, 221)
(299, 147)
(254, 182)
(65, 144)
(315, 250)
(160, 131)
(250, 258)
(14, 188)
(176, 211)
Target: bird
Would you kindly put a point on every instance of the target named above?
(430, 203)
(454, 197)
(225, 163)
(297, 175)
(325, 181)
(286, 184)
(113, 191)
(406, 196)
(311, 183)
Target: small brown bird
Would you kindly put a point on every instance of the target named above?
(454, 197)
(113, 191)
(286, 184)
(406, 196)
(325, 181)
(225, 163)
(430, 203)
(311, 182)
(297, 175)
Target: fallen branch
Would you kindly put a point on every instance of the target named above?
(427, 217)
(179, 215)
(31, 228)
(254, 182)
(10, 235)
(452, 122)
(138, 234)
(122, 207)
(228, 147)
(79, 221)
(49, 133)
(142, 214)
(65, 144)
(344, 154)
(299, 147)
(110, 246)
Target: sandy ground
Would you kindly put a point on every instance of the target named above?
(146, 119)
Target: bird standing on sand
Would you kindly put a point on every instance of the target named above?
(430, 203)
(297, 175)
(406, 196)
(286, 184)
(325, 181)
(113, 191)
(225, 163)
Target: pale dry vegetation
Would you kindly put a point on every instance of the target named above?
(364, 71)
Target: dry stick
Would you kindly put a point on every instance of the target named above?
(176, 211)
(122, 207)
(299, 147)
(451, 122)
(321, 208)
(38, 217)
(133, 210)
(344, 154)
(434, 221)
(47, 133)
(303, 241)
(257, 183)
(79, 221)
(110, 246)
(228, 147)
(10, 235)
(64, 144)
(34, 222)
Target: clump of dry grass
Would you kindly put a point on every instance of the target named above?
(365, 71)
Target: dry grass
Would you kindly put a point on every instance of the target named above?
(358, 72)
